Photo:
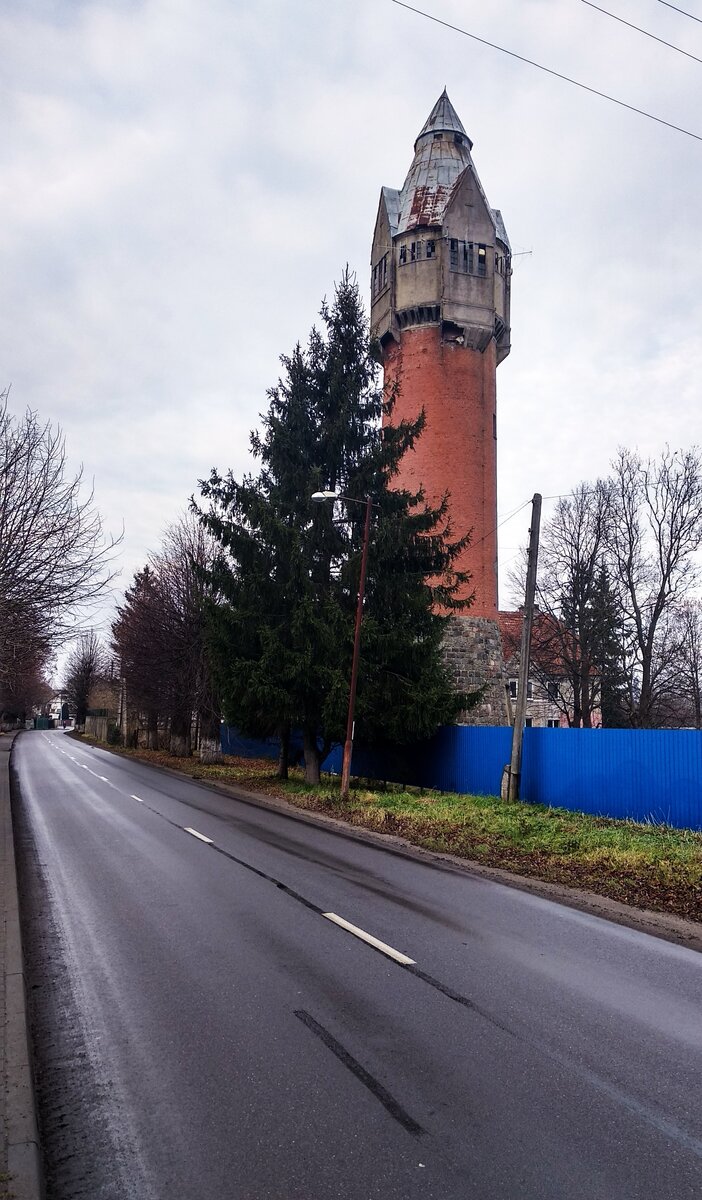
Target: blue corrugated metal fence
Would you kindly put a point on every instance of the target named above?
(644, 774)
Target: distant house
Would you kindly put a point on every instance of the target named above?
(550, 688)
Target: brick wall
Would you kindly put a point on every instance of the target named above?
(457, 450)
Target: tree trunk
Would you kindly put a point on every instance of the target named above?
(645, 705)
(577, 709)
(312, 760)
(180, 736)
(284, 755)
(210, 738)
(152, 731)
(586, 695)
(210, 750)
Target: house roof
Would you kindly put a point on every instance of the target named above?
(546, 640)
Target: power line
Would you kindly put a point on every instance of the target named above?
(572, 494)
(472, 545)
(680, 10)
(549, 71)
(643, 31)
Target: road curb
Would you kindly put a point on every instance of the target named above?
(23, 1151)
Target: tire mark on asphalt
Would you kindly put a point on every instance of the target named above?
(397, 1112)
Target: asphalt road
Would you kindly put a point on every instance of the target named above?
(205, 1030)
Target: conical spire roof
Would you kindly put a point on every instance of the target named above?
(441, 155)
(443, 118)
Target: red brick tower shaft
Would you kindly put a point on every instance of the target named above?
(440, 306)
(457, 450)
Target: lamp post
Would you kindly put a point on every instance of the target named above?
(321, 497)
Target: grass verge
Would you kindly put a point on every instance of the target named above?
(649, 866)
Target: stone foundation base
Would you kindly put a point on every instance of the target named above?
(473, 654)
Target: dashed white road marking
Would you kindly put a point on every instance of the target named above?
(363, 936)
(201, 836)
(372, 941)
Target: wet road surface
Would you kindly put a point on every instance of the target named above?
(230, 1002)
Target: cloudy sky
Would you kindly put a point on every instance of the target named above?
(181, 182)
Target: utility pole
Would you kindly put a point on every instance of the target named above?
(515, 769)
(320, 498)
(348, 744)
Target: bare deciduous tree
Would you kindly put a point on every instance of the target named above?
(186, 553)
(23, 684)
(654, 531)
(678, 679)
(617, 566)
(87, 664)
(54, 557)
(574, 644)
(159, 639)
(137, 643)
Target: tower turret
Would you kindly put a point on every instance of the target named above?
(440, 296)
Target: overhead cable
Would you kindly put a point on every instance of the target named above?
(472, 545)
(549, 71)
(681, 11)
(643, 31)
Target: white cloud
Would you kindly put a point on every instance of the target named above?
(180, 184)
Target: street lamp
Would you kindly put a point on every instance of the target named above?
(320, 498)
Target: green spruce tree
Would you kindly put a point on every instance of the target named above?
(286, 578)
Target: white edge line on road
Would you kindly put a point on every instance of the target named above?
(372, 941)
(137, 798)
(201, 836)
(103, 778)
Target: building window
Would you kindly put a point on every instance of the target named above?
(472, 258)
(513, 689)
(553, 723)
(528, 721)
(380, 275)
(552, 690)
(415, 251)
(530, 690)
(403, 255)
(430, 248)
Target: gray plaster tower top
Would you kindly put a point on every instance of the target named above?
(441, 254)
